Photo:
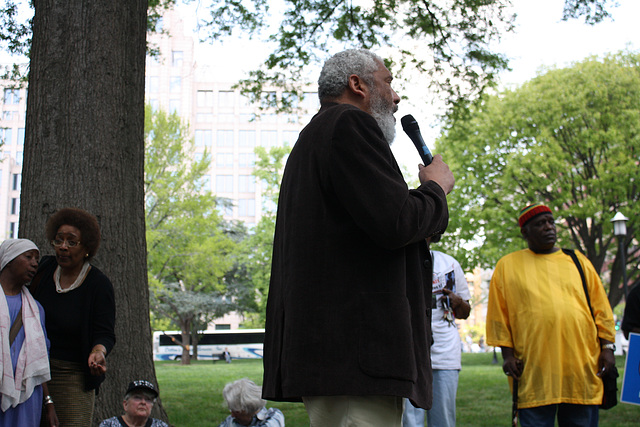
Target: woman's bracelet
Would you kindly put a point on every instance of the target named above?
(95, 350)
(47, 400)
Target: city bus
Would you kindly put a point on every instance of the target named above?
(241, 344)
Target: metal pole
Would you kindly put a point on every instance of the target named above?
(623, 261)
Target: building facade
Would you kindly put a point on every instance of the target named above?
(220, 119)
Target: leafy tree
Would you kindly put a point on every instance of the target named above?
(259, 246)
(568, 138)
(189, 250)
(451, 42)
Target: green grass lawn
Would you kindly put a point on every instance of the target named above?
(192, 394)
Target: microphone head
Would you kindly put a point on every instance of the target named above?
(409, 123)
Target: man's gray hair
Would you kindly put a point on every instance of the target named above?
(244, 395)
(334, 77)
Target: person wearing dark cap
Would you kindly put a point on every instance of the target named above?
(138, 402)
(539, 316)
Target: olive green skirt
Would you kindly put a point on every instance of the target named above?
(74, 405)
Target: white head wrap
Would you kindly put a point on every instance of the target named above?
(11, 248)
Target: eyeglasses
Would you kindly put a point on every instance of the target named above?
(70, 243)
(140, 398)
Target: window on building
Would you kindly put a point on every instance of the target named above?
(224, 183)
(224, 138)
(204, 118)
(12, 96)
(226, 99)
(175, 84)
(203, 137)
(10, 115)
(245, 101)
(205, 98)
(6, 135)
(246, 160)
(247, 138)
(16, 181)
(289, 137)
(20, 140)
(269, 138)
(155, 104)
(224, 160)
(310, 102)
(19, 156)
(177, 58)
(154, 84)
(246, 207)
(226, 118)
(174, 106)
(246, 117)
(269, 98)
(291, 98)
(269, 118)
(15, 206)
(247, 184)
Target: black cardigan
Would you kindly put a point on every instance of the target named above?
(78, 320)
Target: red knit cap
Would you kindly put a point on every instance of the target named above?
(528, 212)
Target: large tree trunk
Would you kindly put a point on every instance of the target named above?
(84, 147)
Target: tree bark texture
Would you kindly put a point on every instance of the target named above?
(84, 147)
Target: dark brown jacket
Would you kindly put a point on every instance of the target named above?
(349, 300)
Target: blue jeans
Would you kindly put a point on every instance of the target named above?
(443, 411)
(569, 415)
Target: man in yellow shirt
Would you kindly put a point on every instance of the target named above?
(539, 316)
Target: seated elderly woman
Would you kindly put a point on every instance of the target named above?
(244, 399)
(138, 402)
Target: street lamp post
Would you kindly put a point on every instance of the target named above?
(620, 231)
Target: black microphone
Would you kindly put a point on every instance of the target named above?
(411, 128)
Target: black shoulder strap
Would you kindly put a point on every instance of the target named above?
(573, 256)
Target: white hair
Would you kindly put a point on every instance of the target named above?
(334, 77)
(244, 395)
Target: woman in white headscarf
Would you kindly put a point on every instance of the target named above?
(24, 360)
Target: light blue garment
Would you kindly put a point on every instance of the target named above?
(443, 411)
(26, 414)
(264, 418)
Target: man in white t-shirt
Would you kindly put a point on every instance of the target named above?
(450, 301)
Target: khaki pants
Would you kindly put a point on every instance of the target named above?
(354, 411)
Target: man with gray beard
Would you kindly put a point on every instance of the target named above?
(348, 312)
